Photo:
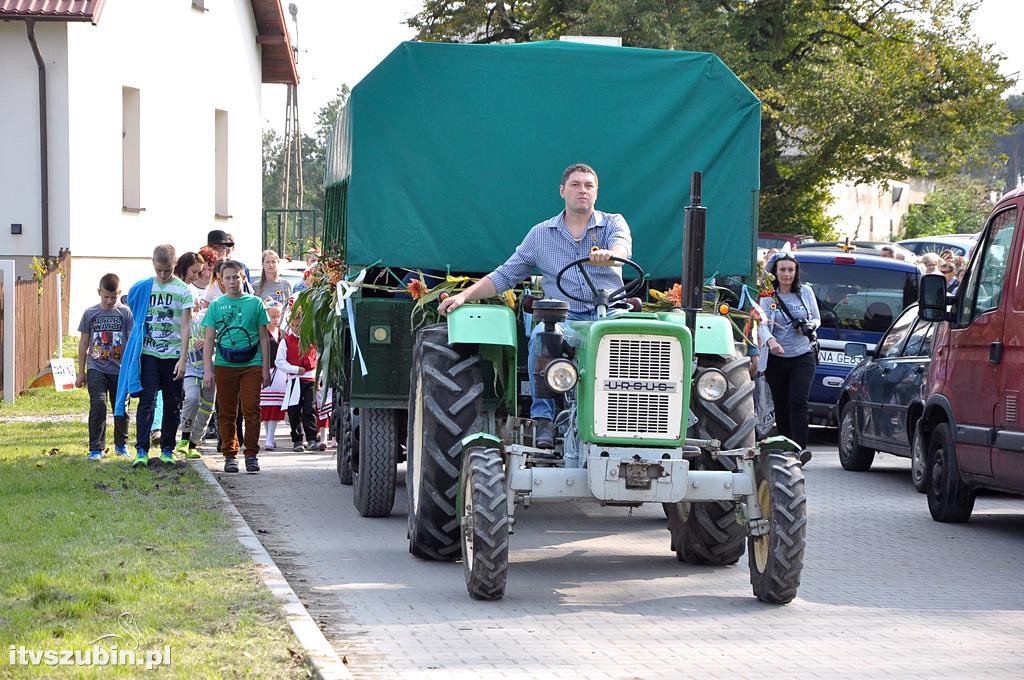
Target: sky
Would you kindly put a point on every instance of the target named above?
(340, 41)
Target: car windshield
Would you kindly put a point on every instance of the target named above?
(770, 242)
(859, 298)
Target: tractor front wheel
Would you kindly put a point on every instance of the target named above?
(777, 558)
(484, 511)
(373, 483)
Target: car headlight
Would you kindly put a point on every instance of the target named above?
(561, 375)
(712, 384)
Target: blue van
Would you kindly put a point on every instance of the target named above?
(858, 297)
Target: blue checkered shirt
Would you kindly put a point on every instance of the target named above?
(549, 246)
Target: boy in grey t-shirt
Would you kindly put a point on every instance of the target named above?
(104, 331)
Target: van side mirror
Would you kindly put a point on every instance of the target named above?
(931, 298)
(856, 349)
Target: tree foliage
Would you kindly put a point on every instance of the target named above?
(959, 205)
(863, 90)
(314, 157)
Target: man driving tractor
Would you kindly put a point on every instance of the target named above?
(549, 246)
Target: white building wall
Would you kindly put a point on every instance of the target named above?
(19, 141)
(875, 212)
(186, 64)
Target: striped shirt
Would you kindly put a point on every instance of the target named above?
(549, 246)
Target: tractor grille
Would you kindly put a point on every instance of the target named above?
(638, 413)
(632, 377)
(637, 359)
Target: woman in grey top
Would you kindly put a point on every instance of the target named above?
(270, 284)
(791, 360)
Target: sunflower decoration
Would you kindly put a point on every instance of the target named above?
(427, 299)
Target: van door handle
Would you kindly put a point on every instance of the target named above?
(995, 352)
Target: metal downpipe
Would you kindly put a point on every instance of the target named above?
(44, 161)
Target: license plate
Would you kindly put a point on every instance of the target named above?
(834, 357)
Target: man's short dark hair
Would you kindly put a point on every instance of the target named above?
(229, 264)
(577, 167)
(110, 282)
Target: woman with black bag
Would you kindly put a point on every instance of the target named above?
(791, 317)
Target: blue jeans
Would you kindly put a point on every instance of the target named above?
(157, 375)
(544, 409)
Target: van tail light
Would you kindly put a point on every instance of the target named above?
(846, 260)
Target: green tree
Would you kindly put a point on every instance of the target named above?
(959, 205)
(314, 156)
(850, 89)
(1011, 145)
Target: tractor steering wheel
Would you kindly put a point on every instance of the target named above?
(600, 296)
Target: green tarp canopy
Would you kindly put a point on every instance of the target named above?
(450, 153)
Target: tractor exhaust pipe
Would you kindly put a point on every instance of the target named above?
(694, 229)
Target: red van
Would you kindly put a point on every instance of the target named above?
(972, 424)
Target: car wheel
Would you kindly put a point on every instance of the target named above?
(949, 499)
(852, 456)
(918, 467)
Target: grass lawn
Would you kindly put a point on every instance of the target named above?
(83, 542)
(46, 401)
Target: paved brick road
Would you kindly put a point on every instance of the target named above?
(595, 593)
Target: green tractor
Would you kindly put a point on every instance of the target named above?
(436, 168)
(646, 417)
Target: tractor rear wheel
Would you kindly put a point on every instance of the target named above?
(373, 482)
(445, 402)
(707, 532)
(776, 559)
(484, 523)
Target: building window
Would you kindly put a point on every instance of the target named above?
(130, 149)
(220, 123)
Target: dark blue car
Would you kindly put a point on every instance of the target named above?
(883, 397)
(858, 296)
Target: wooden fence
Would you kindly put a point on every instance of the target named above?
(35, 321)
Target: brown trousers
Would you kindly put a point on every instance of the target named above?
(238, 386)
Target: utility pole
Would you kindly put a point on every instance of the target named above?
(292, 138)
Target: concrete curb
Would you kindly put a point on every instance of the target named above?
(320, 656)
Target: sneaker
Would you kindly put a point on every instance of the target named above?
(805, 456)
(316, 446)
(299, 448)
(270, 446)
(95, 455)
(182, 448)
(193, 454)
(121, 450)
(252, 464)
(141, 459)
(167, 457)
(230, 465)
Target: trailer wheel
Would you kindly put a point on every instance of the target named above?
(344, 437)
(707, 532)
(484, 523)
(373, 483)
(445, 403)
(776, 559)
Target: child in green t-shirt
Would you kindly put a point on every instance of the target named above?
(236, 333)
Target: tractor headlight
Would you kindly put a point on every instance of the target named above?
(561, 375)
(712, 384)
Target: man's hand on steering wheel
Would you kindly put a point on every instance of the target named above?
(601, 257)
(620, 293)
